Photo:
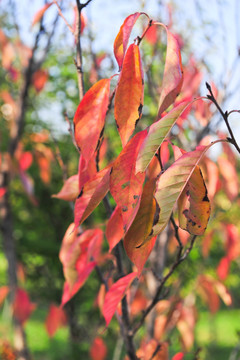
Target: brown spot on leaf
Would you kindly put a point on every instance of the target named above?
(124, 208)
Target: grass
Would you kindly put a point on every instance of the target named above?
(215, 334)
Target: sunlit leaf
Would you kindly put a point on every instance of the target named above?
(141, 227)
(125, 185)
(173, 73)
(193, 205)
(39, 14)
(171, 184)
(70, 189)
(121, 41)
(157, 132)
(114, 229)
(129, 94)
(91, 195)
(115, 295)
(90, 116)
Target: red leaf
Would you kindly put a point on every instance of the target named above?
(223, 268)
(91, 195)
(114, 229)
(129, 94)
(173, 73)
(178, 356)
(115, 295)
(55, 319)
(79, 255)
(233, 242)
(22, 307)
(3, 191)
(141, 227)
(125, 186)
(4, 290)
(151, 35)
(86, 170)
(25, 160)
(39, 14)
(90, 116)
(70, 189)
(39, 79)
(121, 41)
(230, 177)
(98, 349)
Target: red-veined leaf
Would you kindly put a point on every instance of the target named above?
(129, 94)
(22, 307)
(91, 195)
(70, 189)
(157, 132)
(171, 184)
(173, 73)
(39, 14)
(55, 319)
(125, 185)
(114, 229)
(98, 350)
(90, 116)
(121, 41)
(4, 290)
(115, 295)
(141, 227)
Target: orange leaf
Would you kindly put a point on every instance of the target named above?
(39, 79)
(39, 14)
(98, 349)
(125, 186)
(86, 170)
(114, 229)
(22, 307)
(4, 290)
(56, 318)
(193, 205)
(147, 351)
(91, 195)
(79, 255)
(141, 227)
(70, 189)
(129, 94)
(115, 295)
(121, 41)
(90, 116)
(173, 73)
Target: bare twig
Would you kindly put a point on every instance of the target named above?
(224, 116)
(157, 297)
(63, 17)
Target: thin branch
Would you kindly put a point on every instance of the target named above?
(63, 17)
(157, 297)
(156, 351)
(224, 116)
(70, 130)
(176, 228)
